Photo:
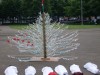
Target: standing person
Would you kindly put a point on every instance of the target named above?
(95, 21)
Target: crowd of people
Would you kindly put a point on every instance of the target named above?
(58, 70)
(68, 20)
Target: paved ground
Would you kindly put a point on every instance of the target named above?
(89, 50)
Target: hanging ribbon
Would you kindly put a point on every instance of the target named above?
(42, 1)
(42, 5)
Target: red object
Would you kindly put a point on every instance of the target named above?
(23, 40)
(18, 39)
(42, 1)
(8, 41)
(14, 38)
(52, 73)
(28, 42)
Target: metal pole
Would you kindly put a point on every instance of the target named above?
(81, 12)
(44, 36)
(44, 32)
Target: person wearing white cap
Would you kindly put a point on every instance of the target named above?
(46, 70)
(30, 70)
(11, 70)
(75, 70)
(92, 68)
(61, 70)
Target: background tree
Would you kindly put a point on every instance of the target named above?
(47, 6)
(10, 9)
(73, 8)
(27, 8)
(58, 8)
(92, 8)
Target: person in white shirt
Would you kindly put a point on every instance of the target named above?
(46, 70)
(75, 70)
(30, 70)
(11, 70)
(61, 70)
(92, 68)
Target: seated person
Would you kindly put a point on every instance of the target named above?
(47, 70)
(61, 70)
(30, 70)
(11, 70)
(92, 68)
(75, 70)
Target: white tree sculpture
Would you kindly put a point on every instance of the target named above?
(58, 41)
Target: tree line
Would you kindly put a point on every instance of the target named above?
(29, 9)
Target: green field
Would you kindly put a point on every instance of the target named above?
(82, 26)
(19, 27)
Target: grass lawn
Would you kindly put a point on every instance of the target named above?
(82, 26)
(19, 27)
